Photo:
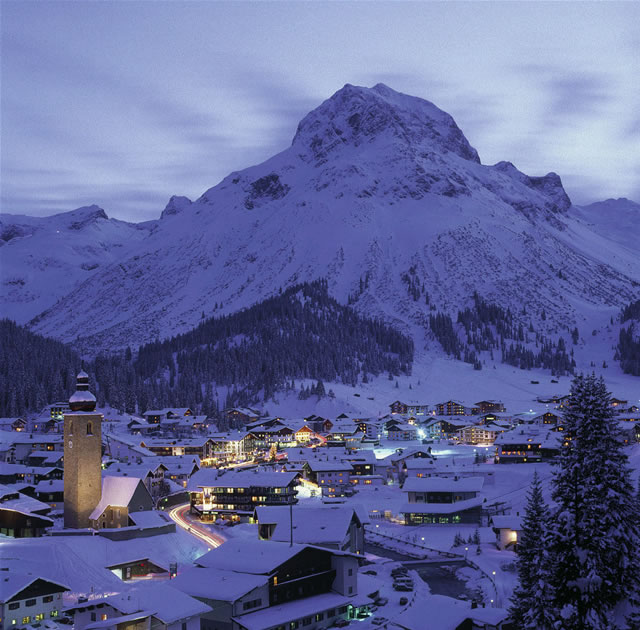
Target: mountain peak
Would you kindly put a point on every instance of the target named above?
(358, 116)
(175, 205)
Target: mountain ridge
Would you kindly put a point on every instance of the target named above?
(370, 199)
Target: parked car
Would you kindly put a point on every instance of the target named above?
(341, 623)
(378, 621)
(382, 601)
(404, 601)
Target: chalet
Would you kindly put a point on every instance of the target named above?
(345, 433)
(363, 464)
(527, 444)
(51, 492)
(370, 427)
(240, 416)
(200, 446)
(616, 403)
(19, 473)
(147, 605)
(157, 416)
(25, 444)
(452, 408)
(419, 467)
(232, 447)
(553, 400)
(441, 500)
(403, 432)
(398, 407)
(411, 409)
(319, 424)
(304, 434)
(55, 411)
(547, 418)
(508, 530)
(442, 428)
(120, 496)
(234, 495)
(178, 469)
(22, 516)
(47, 459)
(13, 424)
(26, 599)
(267, 585)
(489, 406)
(335, 527)
(481, 433)
(332, 477)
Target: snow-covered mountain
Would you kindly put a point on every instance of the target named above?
(44, 258)
(380, 193)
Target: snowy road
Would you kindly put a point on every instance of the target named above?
(180, 514)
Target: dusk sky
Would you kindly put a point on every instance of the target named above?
(124, 104)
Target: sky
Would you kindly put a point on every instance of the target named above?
(125, 103)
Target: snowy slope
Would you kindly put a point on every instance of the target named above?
(376, 185)
(43, 259)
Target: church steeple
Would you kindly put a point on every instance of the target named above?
(82, 399)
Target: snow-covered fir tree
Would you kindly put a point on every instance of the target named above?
(528, 607)
(591, 556)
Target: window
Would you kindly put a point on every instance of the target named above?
(350, 571)
(342, 610)
(184, 625)
(307, 621)
(89, 428)
(30, 602)
(103, 617)
(350, 590)
(331, 613)
(53, 613)
(294, 624)
(319, 616)
(26, 620)
(93, 616)
(14, 605)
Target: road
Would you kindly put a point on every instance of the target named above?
(180, 514)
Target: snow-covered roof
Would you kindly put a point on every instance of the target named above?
(507, 521)
(312, 525)
(50, 485)
(165, 602)
(149, 518)
(116, 491)
(443, 484)
(290, 611)
(444, 613)
(419, 463)
(12, 583)
(329, 466)
(212, 583)
(257, 557)
(210, 477)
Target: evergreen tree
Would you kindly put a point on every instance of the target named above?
(592, 539)
(526, 607)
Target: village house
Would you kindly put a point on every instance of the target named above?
(157, 416)
(235, 494)
(120, 497)
(402, 432)
(452, 408)
(271, 585)
(150, 606)
(527, 444)
(441, 500)
(489, 406)
(22, 516)
(27, 599)
(508, 530)
(333, 477)
(481, 433)
(240, 416)
(334, 527)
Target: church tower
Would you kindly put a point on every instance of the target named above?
(82, 456)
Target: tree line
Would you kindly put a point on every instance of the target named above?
(302, 333)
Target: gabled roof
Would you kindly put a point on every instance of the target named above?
(11, 584)
(329, 466)
(311, 525)
(212, 583)
(257, 557)
(116, 491)
(165, 602)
